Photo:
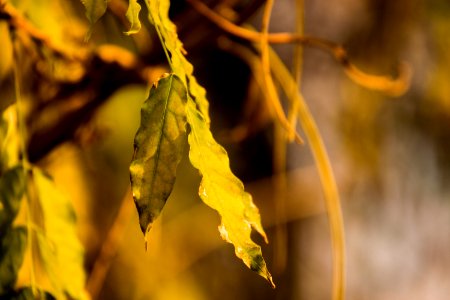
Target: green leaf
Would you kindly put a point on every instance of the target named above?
(224, 192)
(12, 188)
(159, 145)
(12, 249)
(167, 31)
(9, 139)
(95, 9)
(60, 249)
(133, 17)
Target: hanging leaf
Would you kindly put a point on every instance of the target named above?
(60, 249)
(133, 17)
(167, 31)
(159, 145)
(224, 192)
(95, 9)
(12, 187)
(219, 189)
(12, 249)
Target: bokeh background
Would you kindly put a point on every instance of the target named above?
(391, 158)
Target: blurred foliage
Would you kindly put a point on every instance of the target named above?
(391, 156)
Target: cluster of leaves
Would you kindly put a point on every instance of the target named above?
(174, 101)
(40, 254)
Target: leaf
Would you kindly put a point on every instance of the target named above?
(95, 9)
(133, 17)
(61, 251)
(12, 188)
(159, 145)
(224, 192)
(9, 139)
(167, 31)
(12, 249)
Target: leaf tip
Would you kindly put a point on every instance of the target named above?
(146, 233)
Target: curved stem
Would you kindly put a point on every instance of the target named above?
(390, 86)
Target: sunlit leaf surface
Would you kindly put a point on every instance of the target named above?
(224, 192)
(133, 17)
(159, 145)
(219, 189)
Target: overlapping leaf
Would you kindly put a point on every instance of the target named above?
(133, 17)
(159, 146)
(224, 192)
(219, 189)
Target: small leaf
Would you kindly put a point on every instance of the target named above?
(12, 188)
(61, 251)
(12, 249)
(224, 192)
(133, 17)
(95, 9)
(159, 145)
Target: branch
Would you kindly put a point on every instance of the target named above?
(60, 105)
(390, 86)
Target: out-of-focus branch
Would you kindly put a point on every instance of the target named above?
(59, 105)
(390, 86)
(18, 22)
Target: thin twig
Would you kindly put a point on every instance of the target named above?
(332, 199)
(270, 89)
(390, 86)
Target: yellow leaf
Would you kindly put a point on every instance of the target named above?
(224, 192)
(133, 17)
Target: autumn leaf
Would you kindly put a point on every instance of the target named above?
(159, 145)
(219, 188)
(224, 192)
(133, 17)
